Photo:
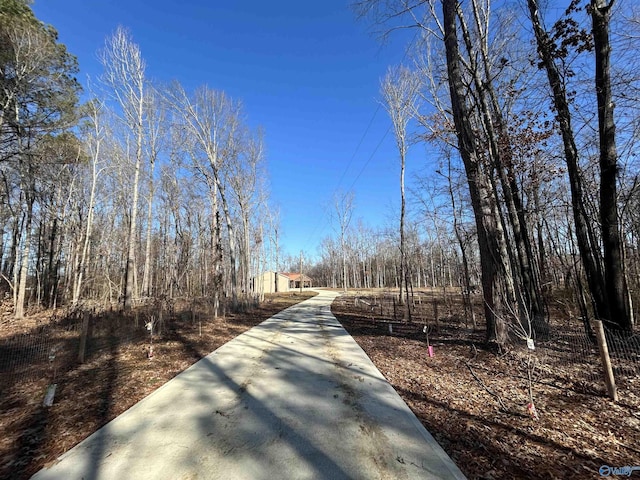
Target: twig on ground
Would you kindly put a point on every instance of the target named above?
(493, 394)
(474, 351)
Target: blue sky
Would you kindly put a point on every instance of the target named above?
(307, 72)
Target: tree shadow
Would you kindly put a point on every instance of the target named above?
(491, 446)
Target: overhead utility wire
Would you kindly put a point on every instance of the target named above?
(375, 113)
(344, 172)
(370, 157)
(357, 147)
(366, 164)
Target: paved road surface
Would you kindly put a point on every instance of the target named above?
(294, 397)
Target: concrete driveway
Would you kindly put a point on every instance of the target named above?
(294, 397)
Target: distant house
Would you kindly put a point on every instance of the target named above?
(274, 282)
(296, 278)
(271, 282)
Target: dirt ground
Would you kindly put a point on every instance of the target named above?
(474, 402)
(91, 394)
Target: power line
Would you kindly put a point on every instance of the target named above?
(358, 146)
(404, 57)
(344, 172)
(366, 164)
(370, 157)
(325, 220)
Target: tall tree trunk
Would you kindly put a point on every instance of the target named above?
(530, 299)
(400, 89)
(146, 275)
(131, 277)
(51, 277)
(9, 266)
(615, 281)
(246, 266)
(40, 261)
(21, 287)
(583, 229)
(401, 297)
(404, 296)
(232, 240)
(82, 263)
(124, 73)
(344, 263)
(131, 241)
(216, 248)
(466, 280)
(497, 278)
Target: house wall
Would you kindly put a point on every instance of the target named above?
(267, 283)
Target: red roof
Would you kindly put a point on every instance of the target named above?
(295, 276)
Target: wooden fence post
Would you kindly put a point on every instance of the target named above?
(606, 360)
(83, 337)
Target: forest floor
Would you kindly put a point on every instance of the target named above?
(474, 402)
(111, 381)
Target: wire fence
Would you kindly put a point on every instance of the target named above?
(48, 350)
(567, 354)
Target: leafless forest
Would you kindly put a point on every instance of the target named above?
(530, 194)
(150, 191)
(143, 192)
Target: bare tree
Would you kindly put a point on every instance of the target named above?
(614, 277)
(212, 120)
(497, 279)
(157, 131)
(125, 76)
(401, 93)
(245, 174)
(273, 227)
(94, 139)
(605, 277)
(500, 151)
(343, 204)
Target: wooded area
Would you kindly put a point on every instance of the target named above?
(144, 191)
(532, 195)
